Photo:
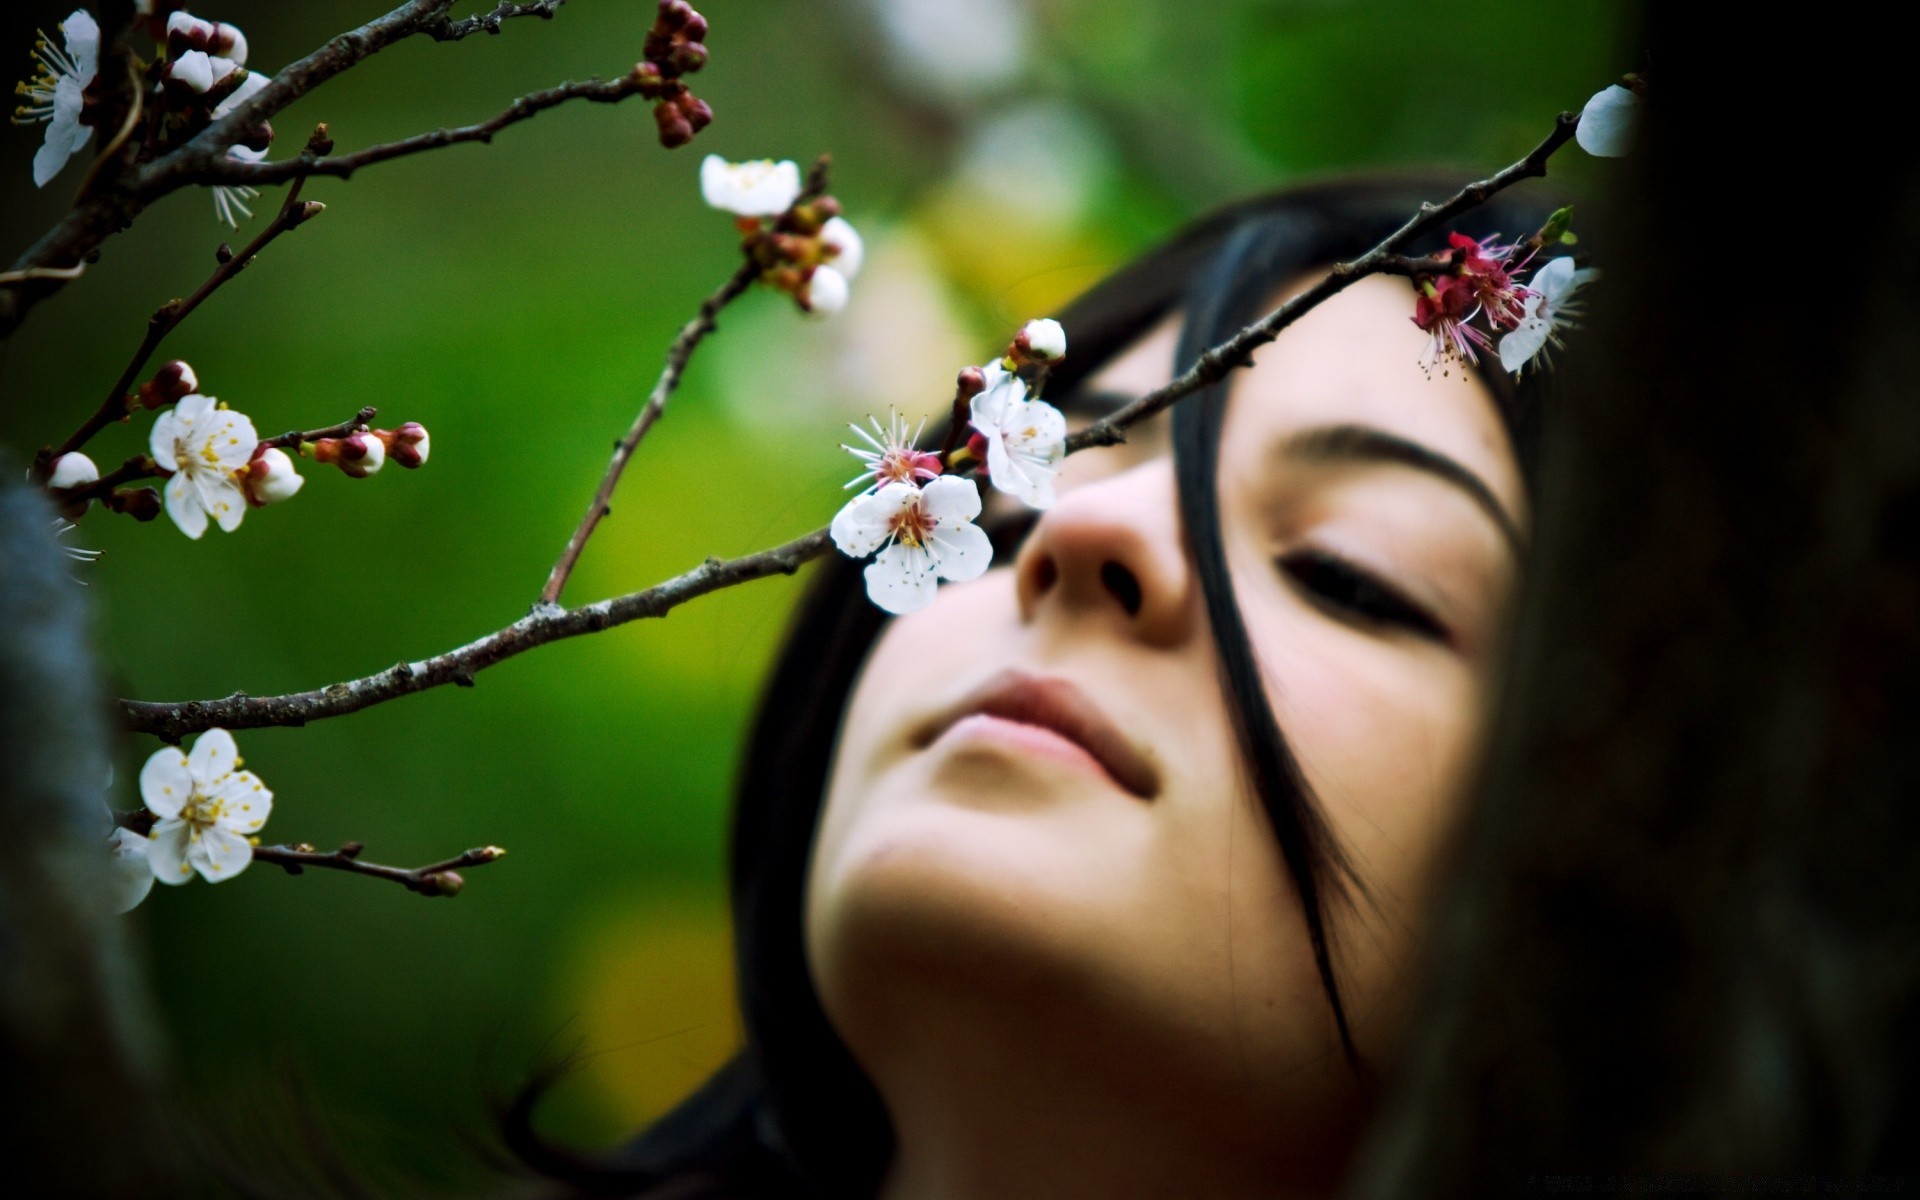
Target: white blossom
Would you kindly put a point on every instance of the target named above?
(922, 534)
(761, 188)
(54, 93)
(129, 874)
(270, 478)
(891, 455)
(231, 198)
(242, 92)
(825, 292)
(1026, 437)
(1551, 305)
(849, 251)
(203, 446)
(207, 806)
(1607, 122)
(1045, 339)
(72, 470)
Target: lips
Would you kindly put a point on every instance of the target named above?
(1057, 706)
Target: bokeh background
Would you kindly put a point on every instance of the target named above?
(999, 155)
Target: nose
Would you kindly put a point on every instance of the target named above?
(1111, 549)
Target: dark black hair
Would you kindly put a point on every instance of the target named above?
(792, 1115)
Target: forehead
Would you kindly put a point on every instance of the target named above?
(1353, 360)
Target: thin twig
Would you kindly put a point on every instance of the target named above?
(135, 468)
(293, 437)
(550, 622)
(439, 879)
(168, 316)
(231, 171)
(445, 29)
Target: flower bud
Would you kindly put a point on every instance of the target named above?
(839, 236)
(320, 141)
(192, 71)
(688, 57)
(142, 504)
(358, 454)
(169, 384)
(647, 76)
(674, 14)
(406, 445)
(675, 129)
(229, 42)
(971, 382)
(698, 114)
(442, 883)
(1042, 341)
(977, 448)
(694, 28)
(270, 477)
(186, 32)
(824, 293)
(72, 470)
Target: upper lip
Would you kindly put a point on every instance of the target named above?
(1055, 704)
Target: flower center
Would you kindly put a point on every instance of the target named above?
(201, 810)
(911, 524)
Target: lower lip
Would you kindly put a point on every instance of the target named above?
(1035, 740)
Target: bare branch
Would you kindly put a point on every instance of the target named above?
(440, 879)
(293, 437)
(229, 171)
(165, 319)
(448, 30)
(550, 622)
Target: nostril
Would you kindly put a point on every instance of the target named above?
(1124, 586)
(1046, 573)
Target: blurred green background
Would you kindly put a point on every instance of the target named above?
(516, 298)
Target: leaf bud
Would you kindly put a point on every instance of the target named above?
(320, 141)
(442, 883)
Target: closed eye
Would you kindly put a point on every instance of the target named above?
(1350, 594)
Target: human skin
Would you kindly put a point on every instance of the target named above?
(1062, 988)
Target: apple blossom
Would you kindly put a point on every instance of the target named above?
(824, 293)
(849, 251)
(761, 188)
(893, 458)
(72, 470)
(204, 447)
(922, 534)
(55, 93)
(129, 874)
(1551, 306)
(1607, 122)
(1043, 340)
(1026, 438)
(270, 477)
(206, 806)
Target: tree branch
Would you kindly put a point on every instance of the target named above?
(446, 29)
(168, 316)
(549, 622)
(294, 437)
(1237, 350)
(439, 879)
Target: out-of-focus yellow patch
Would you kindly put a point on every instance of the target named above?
(651, 988)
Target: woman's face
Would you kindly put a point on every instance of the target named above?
(1040, 853)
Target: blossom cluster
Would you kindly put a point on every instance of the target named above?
(675, 47)
(807, 250)
(915, 518)
(204, 810)
(216, 465)
(1484, 282)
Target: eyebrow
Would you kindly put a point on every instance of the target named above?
(1366, 444)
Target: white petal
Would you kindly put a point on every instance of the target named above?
(72, 470)
(1004, 390)
(193, 407)
(82, 34)
(961, 552)
(1526, 340)
(713, 181)
(245, 802)
(846, 241)
(129, 878)
(167, 851)
(826, 292)
(231, 437)
(246, 90)
(1606, 123)
(213, 756)
(165, 782)
(219, 854)
(192, 70)
(864, 524)
(1553, 278)
(949, 500)
(160, 441)
(901, 579)
(183, 505)
(48, 160)
(224, 500)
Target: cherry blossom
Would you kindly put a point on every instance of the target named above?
(1552, 305)
(207, 806)
(1026, 438)
(761, 188)
(849, 251)
(55, 93)
(204, 447)
(270, 478)
(892, 457)
(922, 534)
(129, 873)
(1607, 122)
(1485, 269)
(72, 470)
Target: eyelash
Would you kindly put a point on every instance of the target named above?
(1356, 596)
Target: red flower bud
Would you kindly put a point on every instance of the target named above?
(696, 111)
(647, 77)
(169, 383)
(977, 447)
(971, 383)
(675, 129)
(695, 28)
(142, 504)
(407, 445)
(689, 57)
(674, 14)
(357, 454)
